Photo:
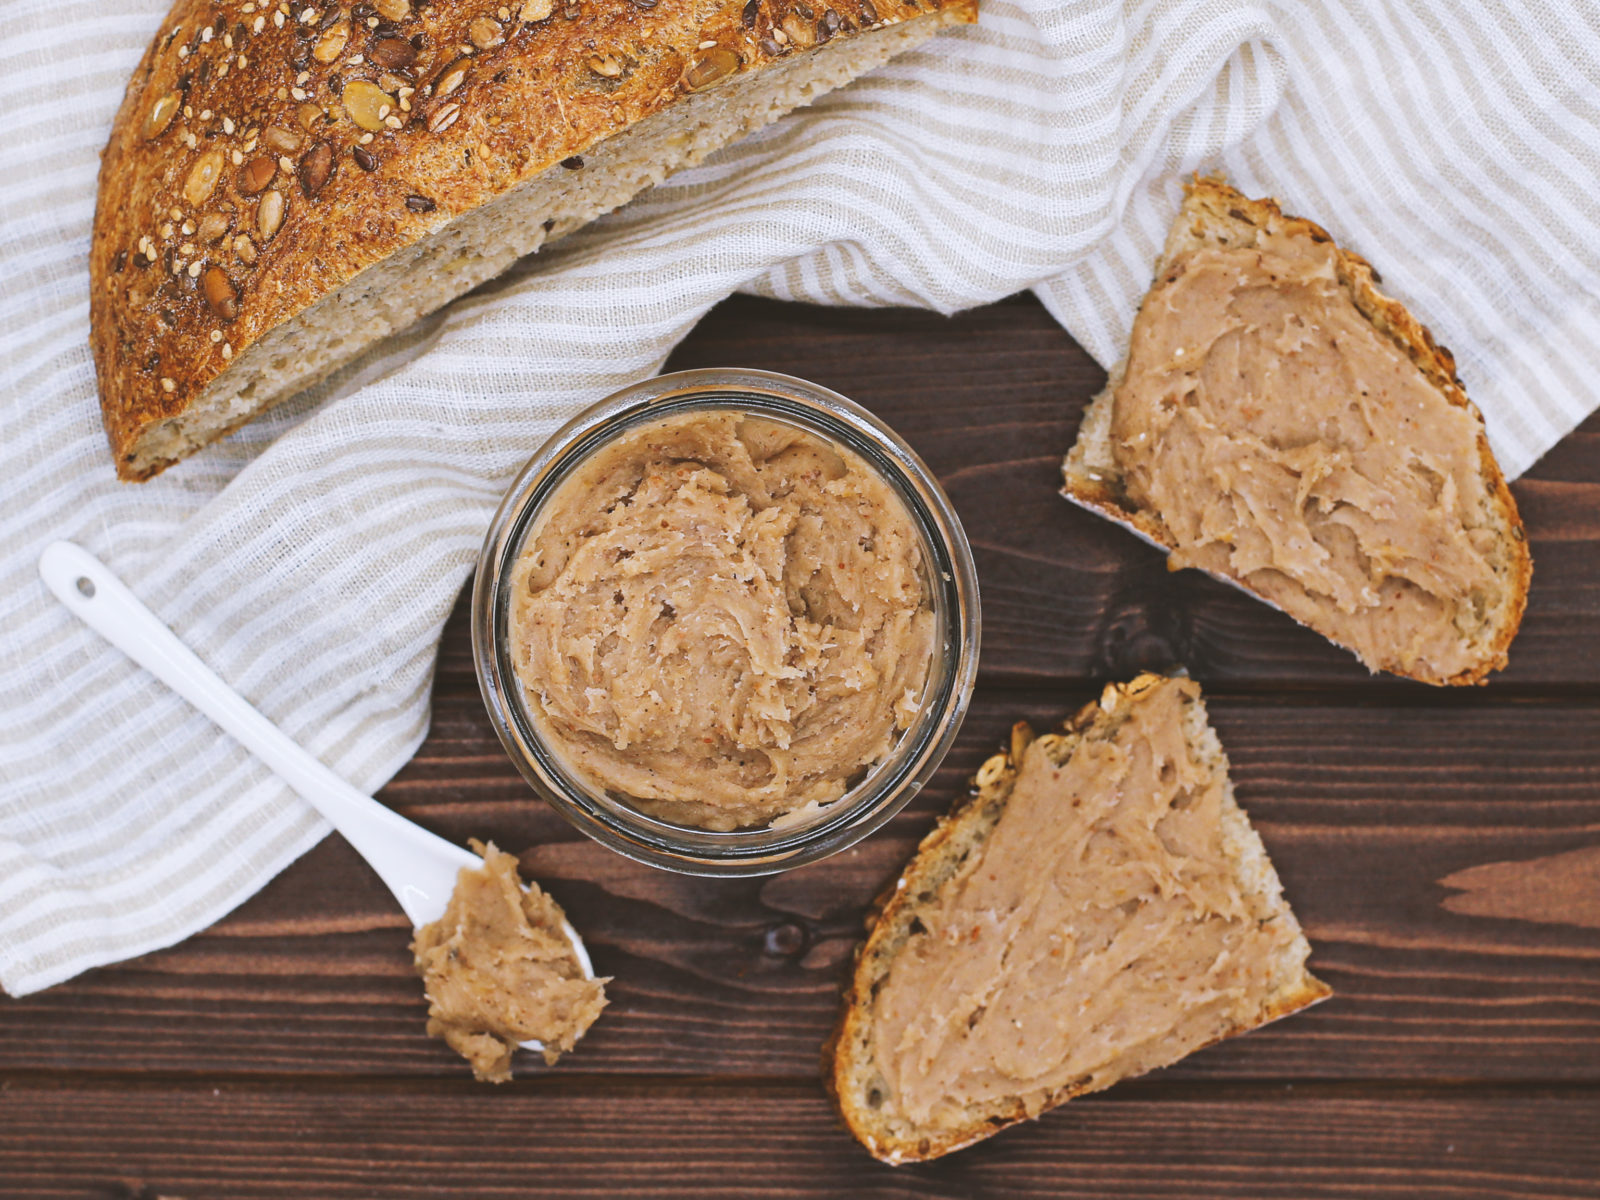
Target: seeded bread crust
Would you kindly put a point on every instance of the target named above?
(1214, 213)
(268, 156)
(849, 1070)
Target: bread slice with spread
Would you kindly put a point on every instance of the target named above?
(1099, 907)
(1285, 426)
(286, 184)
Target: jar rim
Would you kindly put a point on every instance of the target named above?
(888, 784)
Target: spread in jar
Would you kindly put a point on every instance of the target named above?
(722, 619)
(1287, 442)
(499, 970)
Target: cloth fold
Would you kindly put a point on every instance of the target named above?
(312, 559)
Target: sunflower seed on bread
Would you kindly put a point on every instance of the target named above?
(1285, 426)
(1099, 907)
(357, 166)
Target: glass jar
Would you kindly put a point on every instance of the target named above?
(887, 785)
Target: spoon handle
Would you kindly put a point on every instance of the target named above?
(418, 866)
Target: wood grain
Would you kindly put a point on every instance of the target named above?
(1557, 889)
(1362, 806)
(249, 1142)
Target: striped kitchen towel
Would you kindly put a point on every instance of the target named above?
(312, 558)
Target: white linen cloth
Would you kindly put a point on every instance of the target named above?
(312, 559)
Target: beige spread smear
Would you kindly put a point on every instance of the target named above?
(1287, 443)
(1103, 928)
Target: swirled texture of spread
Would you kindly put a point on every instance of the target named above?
(722, 619)
(1288, 443)
(1104, 928)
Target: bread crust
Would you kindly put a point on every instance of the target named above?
(1210, 205)
(269, 93)
(937, 858)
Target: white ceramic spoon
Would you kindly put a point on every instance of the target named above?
(419, 867)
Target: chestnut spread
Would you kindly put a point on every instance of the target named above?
(1287, 442)
(1100, 930)
(722, 619)
(499, 970)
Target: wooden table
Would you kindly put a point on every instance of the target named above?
(1441, 847)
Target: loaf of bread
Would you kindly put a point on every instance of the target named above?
(1099, 907)
(1285, 426)
(287, 183)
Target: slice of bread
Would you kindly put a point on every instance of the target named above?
(953, 856)
(1479, 626)
(283, 187)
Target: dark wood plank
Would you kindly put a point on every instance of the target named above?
(1366, 808)
(246, 1141)
(992, 399)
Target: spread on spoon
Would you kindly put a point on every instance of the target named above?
(499, 970)
(722, 619)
